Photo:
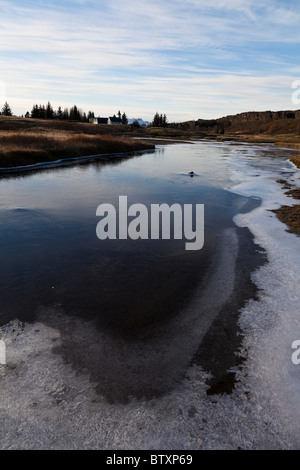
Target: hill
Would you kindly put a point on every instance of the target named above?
(268, 125)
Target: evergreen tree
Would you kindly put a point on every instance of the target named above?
(59, 113)
(159, 120)
(49, 113)
(6, 110)
(65, 114)
(135, 123)
(35, 112)
(155, 122)
(124, 119)
(75, 114)
(91, 115)
(42, 111)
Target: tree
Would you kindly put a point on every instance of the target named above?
(91, 115)
(65, 114)
(75, 114)
(42, 111)
(155, 122)
(49, 113)
(35, 112)
(124, 119)
(159, 120)
(59, 113)
(6, 110)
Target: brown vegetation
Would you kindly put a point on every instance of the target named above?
(290, 215)
(296, 160)
(281, 128)
(28, 141)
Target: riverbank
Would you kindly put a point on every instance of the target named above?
(296, 160)
(28, 142)
(290, 215)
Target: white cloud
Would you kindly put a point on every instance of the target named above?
(160, 53)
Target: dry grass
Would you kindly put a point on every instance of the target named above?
(290, 215)
(296, 160)
(26, 141)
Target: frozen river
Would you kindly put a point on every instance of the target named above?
(115, 343)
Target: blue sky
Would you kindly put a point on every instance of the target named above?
(189, 59)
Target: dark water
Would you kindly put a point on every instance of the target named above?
(50, 253)
(142, 292)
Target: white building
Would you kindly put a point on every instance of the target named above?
(110, 120)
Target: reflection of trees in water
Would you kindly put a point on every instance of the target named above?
(108, 161)
(97, 162)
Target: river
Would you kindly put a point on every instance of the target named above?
(136, 317)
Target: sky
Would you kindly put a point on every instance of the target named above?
(188, 59)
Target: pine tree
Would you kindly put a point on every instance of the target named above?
(42, 111)
(75, 114)
(65, 114)
(124, 119)
(6, 110)
(155, 122)
(49, 113)
(72, 112)
(35, 112)
(135, 123)
(59, 113)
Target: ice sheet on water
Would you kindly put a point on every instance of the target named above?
(272, 324)
(45, 404)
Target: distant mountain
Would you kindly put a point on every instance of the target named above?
(141, 122)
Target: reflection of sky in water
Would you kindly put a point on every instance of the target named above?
(87, 185)
(48, 234)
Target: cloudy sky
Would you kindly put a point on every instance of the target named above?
(189, 59)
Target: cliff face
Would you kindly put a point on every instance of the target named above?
(262, 116)
(254, 122)
(264, 122)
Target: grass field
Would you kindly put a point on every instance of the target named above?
(29, 141)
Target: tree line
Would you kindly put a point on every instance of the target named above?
(40, 111)
(159, 120)
(72, 114)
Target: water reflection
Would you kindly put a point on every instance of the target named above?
(53, 264)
